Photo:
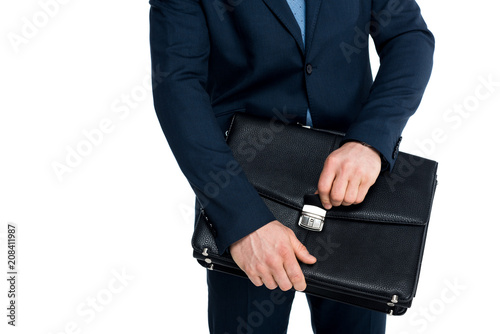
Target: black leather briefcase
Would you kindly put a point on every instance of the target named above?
(368, 254)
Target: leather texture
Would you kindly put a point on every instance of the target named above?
(367, 253)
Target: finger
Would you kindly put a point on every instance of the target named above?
(292, 266)
(275, 266)
(301, 252)
(269, 281)
(362, 191)
(351, 193)
(295, 274)
(281, 278)
(256, 280)
(325, 184)
(337, 193)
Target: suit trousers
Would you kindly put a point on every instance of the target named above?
(236, 306)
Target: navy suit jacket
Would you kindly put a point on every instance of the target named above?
(211, 58)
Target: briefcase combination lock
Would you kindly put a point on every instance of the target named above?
(313, 214)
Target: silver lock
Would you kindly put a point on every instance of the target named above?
(312, 218)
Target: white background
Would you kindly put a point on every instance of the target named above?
(126, 207)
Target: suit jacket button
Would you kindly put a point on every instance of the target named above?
(309, 68)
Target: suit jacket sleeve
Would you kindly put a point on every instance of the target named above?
(405, 47)
(180, 48)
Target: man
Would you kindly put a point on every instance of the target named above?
(211, 58)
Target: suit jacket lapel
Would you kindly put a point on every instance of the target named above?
(283, 12)
(312, 10)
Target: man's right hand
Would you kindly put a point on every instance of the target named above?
(269, 256)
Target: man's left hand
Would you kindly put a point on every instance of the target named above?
(347, 174)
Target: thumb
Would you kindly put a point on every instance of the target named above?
(301, 251)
